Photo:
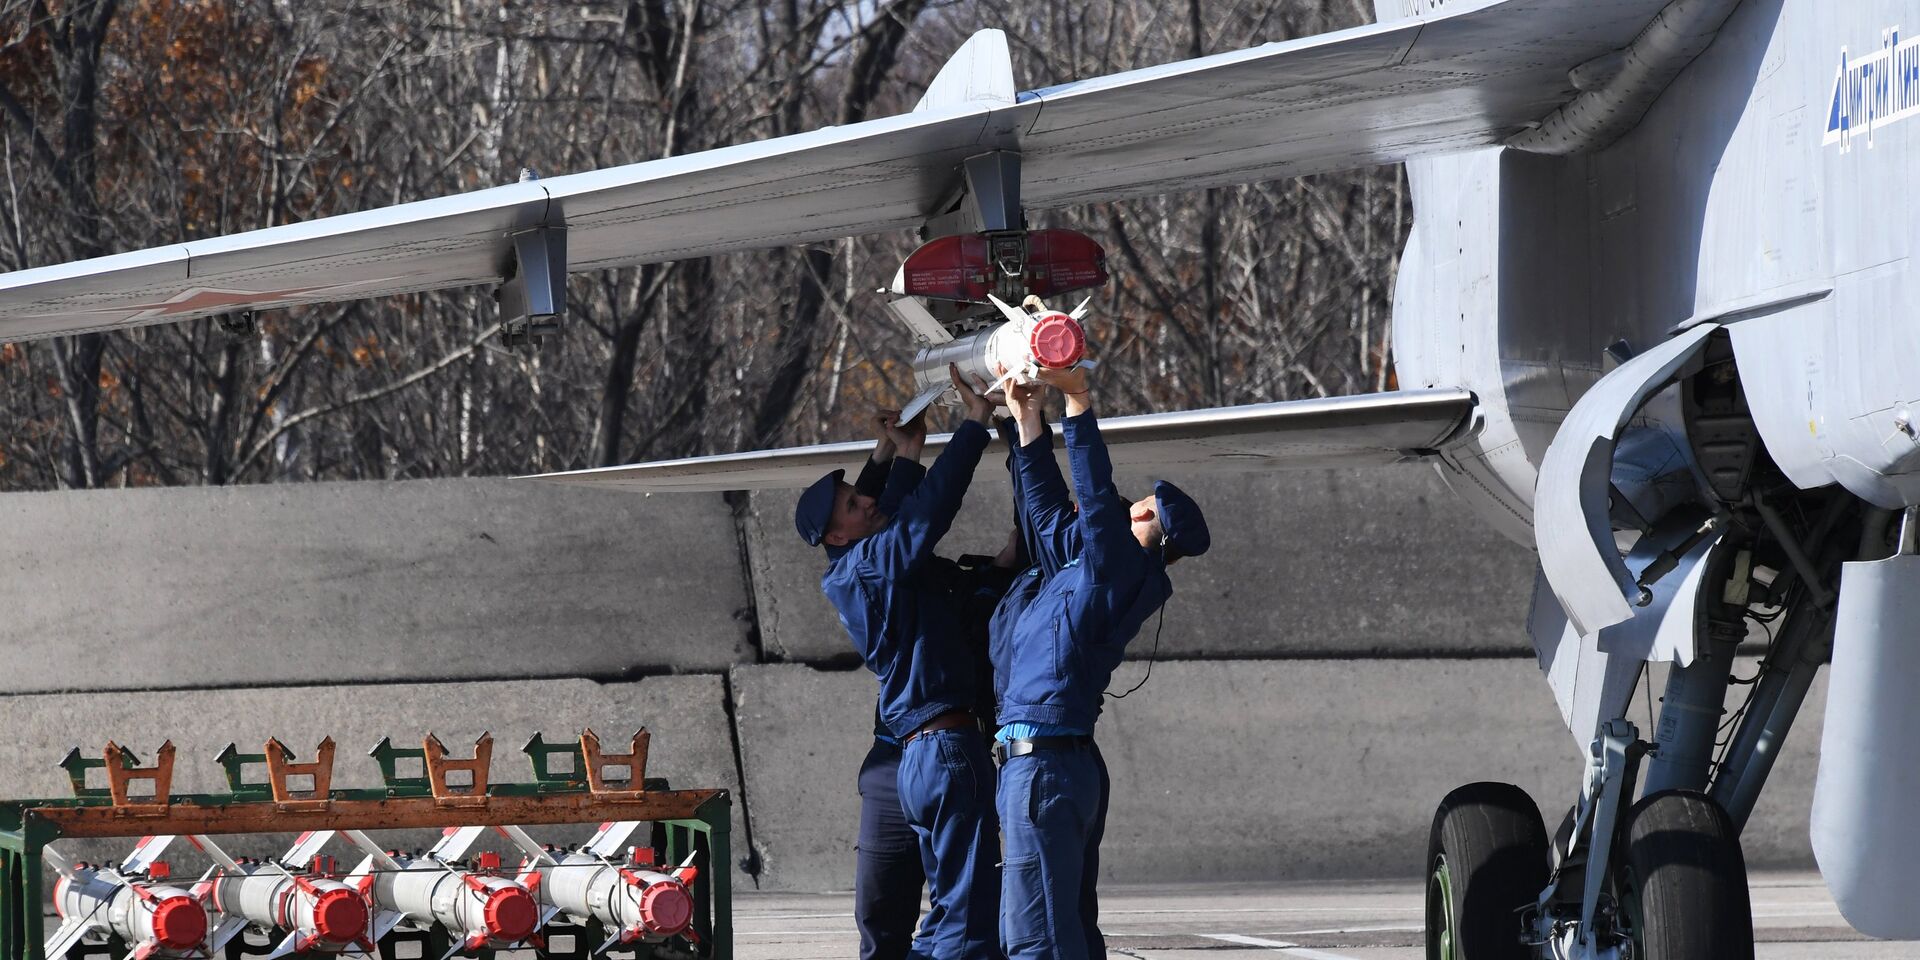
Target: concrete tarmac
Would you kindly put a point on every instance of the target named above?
(1794, 919)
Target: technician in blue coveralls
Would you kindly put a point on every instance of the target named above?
(1097, 576)
(888, 873)
(907, 627)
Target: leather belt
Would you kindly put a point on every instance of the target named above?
(945, 721)
(1002, 752)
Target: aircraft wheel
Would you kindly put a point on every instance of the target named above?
(1486, 859)
(1685, 880)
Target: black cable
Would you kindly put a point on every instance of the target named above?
(1151, 657)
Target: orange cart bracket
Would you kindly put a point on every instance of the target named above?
(122, 772)
(281, 769)
(597, 762)
(439, 765)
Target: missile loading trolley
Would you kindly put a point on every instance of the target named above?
(653, 882)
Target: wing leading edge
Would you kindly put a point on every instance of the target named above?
(1366, 430)
(1465, 77)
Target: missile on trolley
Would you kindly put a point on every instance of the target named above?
(599, 882)
(478, 910)
(319, 914)
(131, 902)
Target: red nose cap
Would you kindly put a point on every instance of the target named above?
(666, 908)
(1057, 341)
(339, 916)
(511, 914)
(179, 923)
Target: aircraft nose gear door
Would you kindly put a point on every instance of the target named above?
(1864, 832)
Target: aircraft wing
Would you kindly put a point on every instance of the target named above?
(1470, 74)
(1366, 430)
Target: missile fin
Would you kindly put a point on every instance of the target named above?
(384, 922)
(920, 323)
(145, 852)
(612, 941)
(229, 928)
(373, 851)
(213, 851)
(288, 944)
(1081, 310)
(921, 402)
(63, 939)
(304, 849)
(528, 845)
(1013, 314)
(611, 838)
(60, 862)
(455, 843)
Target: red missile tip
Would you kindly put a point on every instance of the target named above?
(339, 916)
(511, 914)
(666, 908)
(1057, 341)
(179, 923)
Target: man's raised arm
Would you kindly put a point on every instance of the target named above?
(1105, 518)
(927, 514)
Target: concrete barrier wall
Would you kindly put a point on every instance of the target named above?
(1273, 770)
(345, 583)
(1319, 563)
(1350, 651)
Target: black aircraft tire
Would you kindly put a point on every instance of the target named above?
(1486, 859)
(1688, 879)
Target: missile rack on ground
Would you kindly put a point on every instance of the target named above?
(670, 888)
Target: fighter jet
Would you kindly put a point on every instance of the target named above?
(1651, 322)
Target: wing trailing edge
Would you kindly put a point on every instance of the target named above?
(1462, 77)
(1366, 430)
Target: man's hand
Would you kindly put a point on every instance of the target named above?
(909, 438)
(1028, 403)
(1072, 384)
(973, 395)
(884, 444)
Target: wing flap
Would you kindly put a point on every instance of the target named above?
(1366, 430)
(1469, 75)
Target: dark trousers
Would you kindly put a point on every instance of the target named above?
(888, 875)
(1053, 811)
(946, 791)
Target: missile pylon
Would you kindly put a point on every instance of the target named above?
(632, 901)
(318, 914)
(478, 910)
(161, 920)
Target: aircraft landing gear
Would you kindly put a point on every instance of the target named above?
(1486, 861)
(1678, 889)
(1683, 887)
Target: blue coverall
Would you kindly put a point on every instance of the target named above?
(889, 874)
(1056, 638)
(907, 626)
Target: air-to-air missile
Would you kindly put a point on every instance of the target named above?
(318, 914)
(942, 287)
(130, 901)
(630, 898)
(478, 909)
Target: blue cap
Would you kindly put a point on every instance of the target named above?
(815, 509)
(1180, 518)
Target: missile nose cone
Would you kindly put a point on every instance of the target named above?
(511, 913)
(666, 908)
(179, 923)
(1057, 341)
(339, 916)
